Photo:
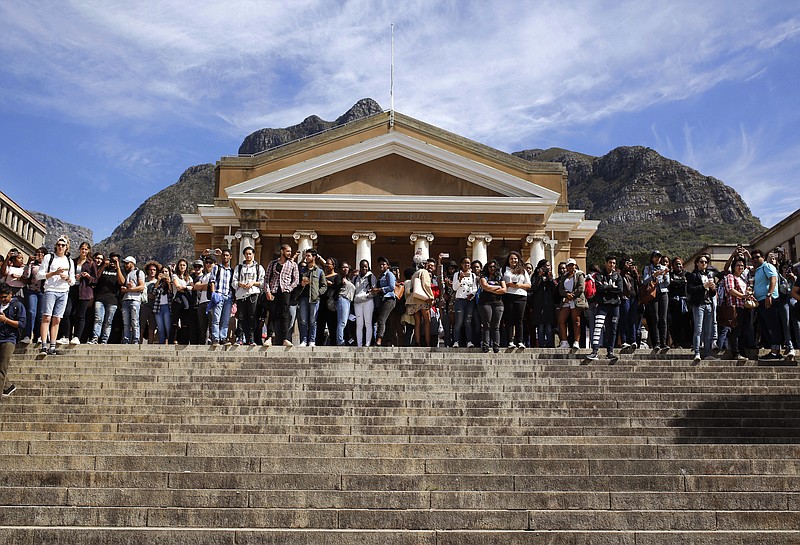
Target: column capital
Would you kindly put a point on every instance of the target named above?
(481, 237)
(246, 233)
(229, 239)
(312, 235)
(413, 237)
(369, 235)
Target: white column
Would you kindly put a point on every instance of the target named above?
(363, 242)
(479, 242)
(305, 240)
(535, 245)
(246, 238)
(422, 244)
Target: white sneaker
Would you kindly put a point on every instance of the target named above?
(512, 345)
(26, 340)
(63, 340)
(75, 340)
(469, 344)
(455, 345)
(576, 345)
(644, 346)
(287, 343)
(268, 342)
(696, 359)
(790, 355)
(303, 343)
(564, 344)
(312, 345)
(625, 346)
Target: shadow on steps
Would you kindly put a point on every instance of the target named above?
(750, 419)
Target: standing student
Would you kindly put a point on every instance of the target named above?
(363, 304)
(34, 295)
(248, 277)
(465, 286)
(281, 277)
(490, 305)
(12, 322)
(204, 287)
(131, 290)
(518, 282)
(765, 290)
(384, 293)
(608, 297)
(570, 288)
(106, 296)
(58, 273)
(702, 289)
(312, 286)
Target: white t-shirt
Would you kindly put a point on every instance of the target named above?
(57, 283)
(522, 278)
(466, 286)
(133, 277)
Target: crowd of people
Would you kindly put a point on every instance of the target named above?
(96, 298)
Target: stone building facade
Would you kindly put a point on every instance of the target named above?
(18, 229)
(391, 185)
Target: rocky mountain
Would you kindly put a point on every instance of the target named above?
(269, 138)
(647, 202)
(56, 227)
(155, 230)
(644, 201)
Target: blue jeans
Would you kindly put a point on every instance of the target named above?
(544, 334)
(130, 320)
(35, 301)
(629, 320)
(606, 318)
(464, 311)
(163, 323)
(703, 328)
(342, 315)
(220, 319)
(103, 316)
(784, 318)
(308, 320)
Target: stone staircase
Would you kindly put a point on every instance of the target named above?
(238, 446)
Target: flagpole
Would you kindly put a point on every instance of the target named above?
(391, 85)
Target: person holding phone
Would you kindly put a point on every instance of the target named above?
(58, 273)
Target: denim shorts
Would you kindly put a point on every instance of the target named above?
(55, 303)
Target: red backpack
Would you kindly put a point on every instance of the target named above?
(589, 287)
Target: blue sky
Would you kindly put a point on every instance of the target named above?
(104, 103)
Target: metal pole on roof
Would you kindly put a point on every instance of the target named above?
(391, 85)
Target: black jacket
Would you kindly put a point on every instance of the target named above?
(609, 288)
(699, 295)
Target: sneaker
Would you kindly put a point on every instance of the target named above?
(43, 349)
(613, 358)
(576, 345)
(634, 346)
(215, 343)
(564, 344)
(63, 340)
(93, 340)
(643, 345)
(771, 357)
(268, 342)
(696, 359)
(455, 345)
(75, 340)
(312, 345)
(714, 346)
(593, 356)
(625, 346)
(287, 343)
(496, 349)
(664, 349)
(470, 345)
(303, 344)
(485, 349)
(790, 355)
(52, 351)
(251, 343)
(10, 390)
(227, 343)
(741, 357)
(26, 340)
(512, 345)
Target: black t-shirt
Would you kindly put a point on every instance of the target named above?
(107, 289)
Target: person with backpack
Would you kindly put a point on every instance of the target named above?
(465, 286)
(12, 322)
(34, 295)
(204, 288)
(106, 292)
(608, 297)
(312, 285)
(385, 297)
(133, 290)
(282, 276)
(657, 274)
(221, 315)
(58, 273)
(248, 277)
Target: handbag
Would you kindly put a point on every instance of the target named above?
(417, 293)
(647, 292)
(750, 303)
(727, 315)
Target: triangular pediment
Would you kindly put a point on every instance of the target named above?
(460, 175)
